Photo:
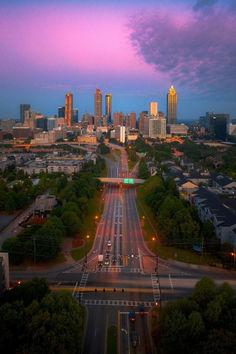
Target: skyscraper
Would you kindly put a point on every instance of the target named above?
(23, 107)
(172, 106)
(75, 115)
(108, 107)
(61, 112)
(153, 108)
(142, 116)
(132, 120)
(97, 107)
(68, 109)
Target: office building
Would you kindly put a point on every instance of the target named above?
(97, 107)
(127, 121)
(232, 129)
(30, 117)
(118, 118)
(132, 119)
(157, 128)
(178, 129)
(7, 124)
(122, 134)
(52, 123)
(61, 112)
(153, 108)
(41, 122)
(172, 106)
(68, 109)
(219, 126)
(108, 107)
(23, 107)
(75, 115)
(142, 116)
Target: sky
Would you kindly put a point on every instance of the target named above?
(132, 49)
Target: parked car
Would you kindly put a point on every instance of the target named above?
(107, 261)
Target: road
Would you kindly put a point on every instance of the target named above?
(110, 292)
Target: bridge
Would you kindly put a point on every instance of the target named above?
(110, 180)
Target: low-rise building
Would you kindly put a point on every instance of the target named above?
(44, 205)
(210, 207)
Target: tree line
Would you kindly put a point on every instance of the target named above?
(205, 322)
(41, 243)
(35, 320)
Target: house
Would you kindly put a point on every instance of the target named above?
(223, 183)
(210, 207)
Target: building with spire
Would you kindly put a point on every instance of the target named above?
(172, 106)
(108, 107)
(68, 109)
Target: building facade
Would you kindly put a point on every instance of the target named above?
(23, 107)
(68, 109)
(97, 107)
(153, 108)
(108, 107)
(172, 106)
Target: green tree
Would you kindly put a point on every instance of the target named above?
(71, 222)
(205, 291)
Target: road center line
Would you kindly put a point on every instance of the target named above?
(171, 284)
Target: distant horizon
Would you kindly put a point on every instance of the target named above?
(134, 50)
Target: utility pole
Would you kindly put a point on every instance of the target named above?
(34, 249)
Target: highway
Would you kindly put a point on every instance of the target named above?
(128, 281)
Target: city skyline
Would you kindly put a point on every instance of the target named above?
(118, 47)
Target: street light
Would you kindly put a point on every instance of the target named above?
(153, 238)
(87, 236)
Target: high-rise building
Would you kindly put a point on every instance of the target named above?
(116, 118)
(219, 126)
(68, 109)
(75, 115)
(23, 107)
(172, 106)
(132, 119)
(122, 134)
(127, 121)
(142, 116)
(97, 107)
(153, 108)
(61, 112)
(30, 117)
(108, 107)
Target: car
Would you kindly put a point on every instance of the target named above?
(108, 252)
(141, 309)
(109, 243)
(107, 261)
(132, 316)
(114, 259)
(133, 336)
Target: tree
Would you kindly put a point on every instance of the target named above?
(15, 248)
(71, 222)
(55, 325)
(205, 291)
(219, 341)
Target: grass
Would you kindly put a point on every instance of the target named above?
(112, 340)
(131, 164)
(95, 207)
(110, 156)
(150, 229)
(104, 172)
(117, 152)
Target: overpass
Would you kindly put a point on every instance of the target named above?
(110, 180)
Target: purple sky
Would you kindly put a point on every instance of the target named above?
(134, 50)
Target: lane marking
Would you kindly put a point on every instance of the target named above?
(75, 288)
(106, 330)
(171, 284)
(118, 328)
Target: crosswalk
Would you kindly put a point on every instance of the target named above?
(82, 285)
(119, 269)
(155, 287)
(125, 303)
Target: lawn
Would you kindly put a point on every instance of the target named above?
(104, 172)
(112, 340)
(95, 208)
(117, 152)
(110, 156)
(131, 164)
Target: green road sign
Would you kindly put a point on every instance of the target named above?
(128, 181)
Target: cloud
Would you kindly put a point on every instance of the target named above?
(194, 50)
(203, 3)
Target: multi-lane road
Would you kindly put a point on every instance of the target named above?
(129, 280)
